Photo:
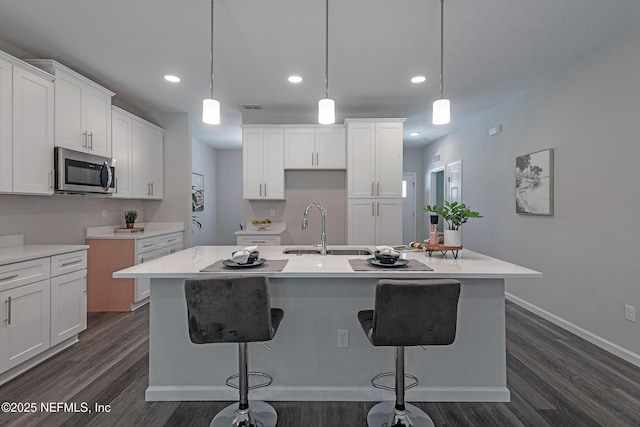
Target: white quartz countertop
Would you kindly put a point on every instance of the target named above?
(189, 262)
(150, 230)
(13, 254)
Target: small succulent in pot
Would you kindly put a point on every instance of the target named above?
(130, 217)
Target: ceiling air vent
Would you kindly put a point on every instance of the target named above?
(252, 106)
(436, 158)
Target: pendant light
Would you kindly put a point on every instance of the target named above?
(326, 106)
(442, 106)
(211, 107)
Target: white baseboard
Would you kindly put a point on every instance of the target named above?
(351, 394)
(612, 348)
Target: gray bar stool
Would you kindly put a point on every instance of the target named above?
(408, 313)
(225, 309)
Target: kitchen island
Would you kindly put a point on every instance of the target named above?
(319, 295)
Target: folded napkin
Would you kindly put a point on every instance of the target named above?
(387, 250)
(242, 256)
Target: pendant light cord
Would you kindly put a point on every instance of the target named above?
(211, 56)
(441, 49)
(326, 46)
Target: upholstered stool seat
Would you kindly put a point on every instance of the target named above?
(408, 313)
(235, 309)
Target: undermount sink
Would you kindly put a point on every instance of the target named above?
(332, 251)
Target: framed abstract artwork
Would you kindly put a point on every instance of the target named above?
(534, 183)
(197, 192)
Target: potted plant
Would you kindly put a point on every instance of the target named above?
(130, 217)
(455, 214)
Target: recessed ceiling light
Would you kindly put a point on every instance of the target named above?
(171, 78)
(418, 79)
(295, 79)
(414, 133)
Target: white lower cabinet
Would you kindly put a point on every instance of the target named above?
(152, 248)
(374, 221)
(42, 303)
(25, 329)
(257, 239)
(68, 305)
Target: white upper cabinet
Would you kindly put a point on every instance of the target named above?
(121, 125)
(315, 147)
(6, 134)
(82, 110)
(374, 157)
(263, 163)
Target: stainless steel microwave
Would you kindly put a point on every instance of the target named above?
(78, 172)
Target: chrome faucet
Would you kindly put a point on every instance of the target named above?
(323, 236)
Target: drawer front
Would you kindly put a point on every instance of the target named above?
(67, 263)
(258, 240)
(167, 240)
(24, 273)
(146, 245)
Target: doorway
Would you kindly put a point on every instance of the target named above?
(437, 191)
(408, 208)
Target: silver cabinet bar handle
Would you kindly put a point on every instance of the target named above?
(51, 180)
(258, 241)
(373, 209)
(372, 192)
(67, 264)
(378, 191)
(378, 208)
(84, 139)
(312, 164)
(260, 189)
(13, 276)
(265, 189)
(91, 141)
(317, 159)
(9, 311)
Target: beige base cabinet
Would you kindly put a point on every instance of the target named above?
(82, 110)
(26, 128)
(374, 222)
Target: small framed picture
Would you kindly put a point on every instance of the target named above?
(534, 183)
(197, 192)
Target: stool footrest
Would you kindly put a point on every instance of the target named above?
(392, 374)
(269, 380)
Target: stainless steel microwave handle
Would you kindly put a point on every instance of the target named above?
(109, 176)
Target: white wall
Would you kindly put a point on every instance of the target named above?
(588, 251)
(203, 162)
(228, 196)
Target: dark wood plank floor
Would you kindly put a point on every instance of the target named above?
(555, 378)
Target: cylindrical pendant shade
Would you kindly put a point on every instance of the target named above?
(211, 112)
(326, 111)
(441, 112)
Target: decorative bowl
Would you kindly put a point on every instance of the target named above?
(386, 258)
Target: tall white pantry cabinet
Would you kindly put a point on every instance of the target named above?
(374, 181)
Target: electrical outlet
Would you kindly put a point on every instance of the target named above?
(343, 338)
(104, 213)
(630, 312)
(272, 212)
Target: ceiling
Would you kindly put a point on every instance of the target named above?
(493, 49)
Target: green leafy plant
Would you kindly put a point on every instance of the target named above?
(454, 213)
(130, 216)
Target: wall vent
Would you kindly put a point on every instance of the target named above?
(436, 158)
(252, 106)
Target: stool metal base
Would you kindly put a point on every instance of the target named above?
(384, 414)
(260, 414)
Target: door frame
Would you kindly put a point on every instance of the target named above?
(413, 191)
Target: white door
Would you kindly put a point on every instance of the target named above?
(388, 222)
(273, 167)
(454, 182)
(142, 287)
(68, 305)
(98, 122)
(388, 160)
(331, 148)
(361, 160)
(252, 163)
(121, 144)
(361, 229)
(408, 208)
(156, 168)
(70, 109)
(299, 151)
(140, 161)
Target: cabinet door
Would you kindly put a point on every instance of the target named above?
(361, 229)
(142, 288)
(273, 166)
(32, 133)
(121, 128)
(6, 135)
(331, 148)
(68, 305)
(69, 113)
(388, 160)
(299, 148)
(388, 222)
(25, 326)
(252, 163)
(361, 158)
(156, 168)
(140, 161)
(98, 121)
